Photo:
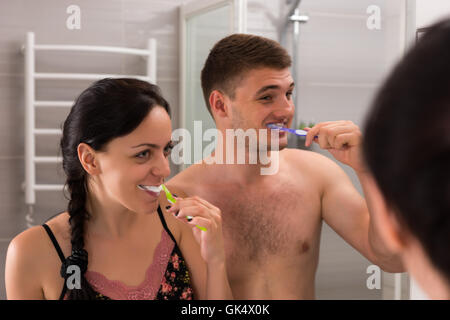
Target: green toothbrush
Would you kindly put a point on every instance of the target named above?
(172, 200)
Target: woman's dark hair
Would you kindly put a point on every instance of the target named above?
(108, 109)
(407, 143)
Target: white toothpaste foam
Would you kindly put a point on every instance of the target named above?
(155, 189)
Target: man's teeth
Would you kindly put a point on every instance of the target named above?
(280, 124)
(156, 189)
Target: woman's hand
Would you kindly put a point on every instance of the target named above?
(202, 215)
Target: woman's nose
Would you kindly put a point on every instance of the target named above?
(162, 167)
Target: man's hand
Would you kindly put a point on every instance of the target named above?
(341, 138)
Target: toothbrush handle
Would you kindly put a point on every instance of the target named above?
(297, 132)
(302, 133)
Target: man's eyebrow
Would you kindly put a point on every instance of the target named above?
(151, 145)
(272, 86)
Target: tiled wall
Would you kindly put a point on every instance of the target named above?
(341, 64)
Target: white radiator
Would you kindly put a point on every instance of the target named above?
(32, 105)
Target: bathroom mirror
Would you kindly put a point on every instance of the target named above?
(341, 50)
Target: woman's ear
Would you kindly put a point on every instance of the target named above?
(217, 101)
(385, 219)
(88, 159)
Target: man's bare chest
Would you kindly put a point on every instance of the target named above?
(265, 222)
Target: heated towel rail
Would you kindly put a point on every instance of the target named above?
(32, 105)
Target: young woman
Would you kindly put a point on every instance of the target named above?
(119, 232)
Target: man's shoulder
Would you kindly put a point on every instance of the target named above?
(302, 157)
(186, 180)
(308, 161)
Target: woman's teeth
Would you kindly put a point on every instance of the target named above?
(155, 189)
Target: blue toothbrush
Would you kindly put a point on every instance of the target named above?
(298, 132)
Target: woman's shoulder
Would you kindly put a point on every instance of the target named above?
(24, 272)
(59, 224)
(60, 227)
(28, 243)
(31, 260)
(35, 242)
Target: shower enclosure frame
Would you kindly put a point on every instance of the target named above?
(237, 23)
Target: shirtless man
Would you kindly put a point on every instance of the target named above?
(272, 223)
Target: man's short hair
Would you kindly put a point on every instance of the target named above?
(233, 56)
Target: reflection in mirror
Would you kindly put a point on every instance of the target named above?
(341, 52)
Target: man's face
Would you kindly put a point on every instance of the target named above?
(264, 96)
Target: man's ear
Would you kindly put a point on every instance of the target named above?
(219, 105)
(88, 159)
(385, 219)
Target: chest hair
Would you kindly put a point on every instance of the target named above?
(257, 225)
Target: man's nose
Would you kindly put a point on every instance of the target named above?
(285, 107)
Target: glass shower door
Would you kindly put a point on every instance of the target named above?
(202, 24)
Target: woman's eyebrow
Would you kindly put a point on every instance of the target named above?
(151, 145)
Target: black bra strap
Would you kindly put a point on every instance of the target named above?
(163, 222)
(55, 243)
(60, 254)
(63, 292)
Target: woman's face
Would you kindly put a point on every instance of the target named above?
(137, 159)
